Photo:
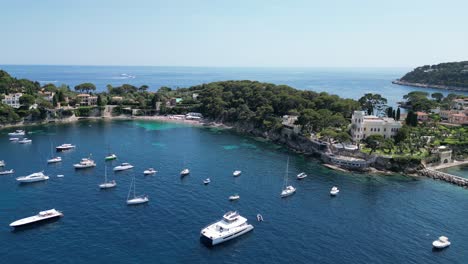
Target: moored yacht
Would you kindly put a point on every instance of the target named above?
(14, 139)
(288, 189)
(7, 172)
(234, 197)
(34, 177)
(111, 157)
(54, 160)
(17, 133)
(64, 147)
(231, 226)
(123, 166)
(185, 172)
(41, 216)
(441, 243)
(85, 163)
(25, 141)
(140, 199)
(107, 184)
(236, 173)
(334, 191)
(150, 171)
(206, 181)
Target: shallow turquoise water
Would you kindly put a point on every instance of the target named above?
(390, 219)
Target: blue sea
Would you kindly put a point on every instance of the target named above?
(345, 82)
(374, 219)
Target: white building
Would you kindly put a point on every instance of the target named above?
(12, 100)
(363, 125)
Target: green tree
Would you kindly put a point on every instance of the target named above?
(398, 114)
(372, 102)
(390, 112)
(374, 142)
(27, 100)
(85, 87)
(54, 100)
(437, 96)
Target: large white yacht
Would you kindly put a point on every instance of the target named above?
(17, 133)
(34, 177)
(41, 216)
(123, 166)
(64, 147)
(231, 226)
(85, 163)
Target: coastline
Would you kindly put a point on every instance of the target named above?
(433, 86)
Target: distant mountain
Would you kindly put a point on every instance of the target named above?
(449, 75)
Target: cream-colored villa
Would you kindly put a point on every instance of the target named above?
(363, 125)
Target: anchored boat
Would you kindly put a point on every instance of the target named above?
(231, 226)
(41, 216)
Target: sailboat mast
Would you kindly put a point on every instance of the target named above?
(105, 173)
(286, 175)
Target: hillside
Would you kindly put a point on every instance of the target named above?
(450, 75)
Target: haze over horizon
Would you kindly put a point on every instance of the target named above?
(234, 34)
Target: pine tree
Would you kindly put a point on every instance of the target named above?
(398, 114)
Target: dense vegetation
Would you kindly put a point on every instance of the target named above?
(448, 74)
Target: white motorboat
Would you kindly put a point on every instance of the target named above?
(34, 177)
(236, 173)
(110, 157)
(206, 181)
(17, 133)
(54, 160)
(234, 197)
(185, 172)
(231, 226)
(123, 166)
(7, 172)
(60, 176)
(107, 184)
(301, 176)
(85, 163)
(65, 147)
(136, 199)
(14, 139)
(2, 163)
(150, 171)
(441, 243)
(41, 216)
(334, 191)
(25, 141)
(288, 189)
(259, 218)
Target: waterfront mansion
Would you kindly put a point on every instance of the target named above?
(363, 125)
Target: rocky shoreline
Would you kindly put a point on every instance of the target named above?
(434, 86)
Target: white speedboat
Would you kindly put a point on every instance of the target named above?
(301, 176)
(17, 133)
(149, 171)
(34, 177)
(25, 141)
(65, 147)
(441, 243)
(236, 173)
(206, 181)
(41, 216)
(14, 139)
(289, 190)
(185, 172)
(136, 199)
(231, 226)
(7, 172)
(60, 175)
(111, 157)
(54, 160)
(107, 184)
(234, 197)
(334, 191)
(85, 163)
(123, 166)
(2, 163)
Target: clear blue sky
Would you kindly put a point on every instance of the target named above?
(309, 33)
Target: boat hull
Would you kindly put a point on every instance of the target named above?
(137, 201)
(213, 242)
(39, 222)
(32, 180)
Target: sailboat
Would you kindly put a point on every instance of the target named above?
(185, 171)
(53, 159)
(136, 199)
(288, 189)
(107, 184)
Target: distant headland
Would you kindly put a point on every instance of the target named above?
(448, 76)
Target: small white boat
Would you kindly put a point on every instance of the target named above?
(14, 139)
(441, 243)
(34, 177)
(17, 133)
(234, 197)
(111, 157)
(236, 173)
(149, 171)
(301, 176)
(334, 191)
(107, 184)
(231, 226)
(259, 218)
(54, 160)
(123, 166)
(206, 181)
(185, 172)
(25, 141)
(85, 163)
(60, 176)
(136, 199)
(288, 189)
(7, 172)
(41, 216)
(65, 147)
(2, 163)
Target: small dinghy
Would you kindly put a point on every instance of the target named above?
(259, 218)
(301, 176)
(234, 197)
(206, 181)
(236, 173)
(60, 176)
(334, 191)
(441, 243)
(7, 172)
(185, 172)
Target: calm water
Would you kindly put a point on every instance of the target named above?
(389, 219)
(347, 82)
